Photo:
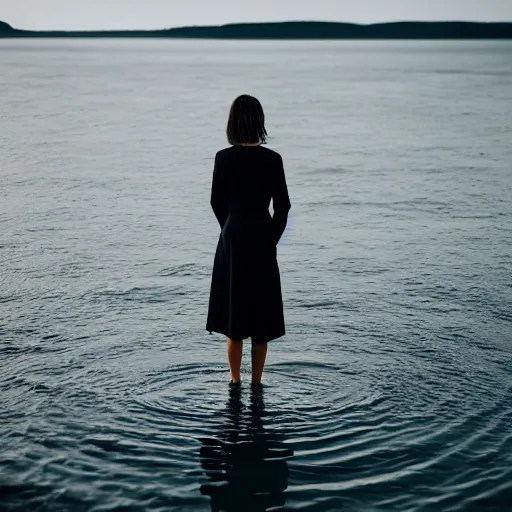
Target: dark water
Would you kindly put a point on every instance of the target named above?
(393, 387)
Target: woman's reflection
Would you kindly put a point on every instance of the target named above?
(246, 464)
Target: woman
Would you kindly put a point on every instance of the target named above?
(245, 296)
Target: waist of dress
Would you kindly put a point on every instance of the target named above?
(251, 215)
(249, 210)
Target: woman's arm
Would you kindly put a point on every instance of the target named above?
(281, 200)
(219, 198)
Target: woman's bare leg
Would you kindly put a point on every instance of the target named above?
(235, 349)
(259, 354)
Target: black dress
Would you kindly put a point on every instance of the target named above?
(245, 296)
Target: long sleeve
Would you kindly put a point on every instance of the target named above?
(219, 197)
(281, 201)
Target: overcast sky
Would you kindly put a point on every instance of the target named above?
(147, 14)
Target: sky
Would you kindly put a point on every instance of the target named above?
(151, 14)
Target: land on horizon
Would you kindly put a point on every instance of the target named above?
(294, 30)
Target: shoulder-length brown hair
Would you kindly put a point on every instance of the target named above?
(246, 122)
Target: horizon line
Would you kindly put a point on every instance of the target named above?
(242, 23)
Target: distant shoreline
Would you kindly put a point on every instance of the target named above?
(295, 30)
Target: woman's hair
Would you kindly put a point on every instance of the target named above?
(246, 123)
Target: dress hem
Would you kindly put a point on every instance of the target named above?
(265, 339)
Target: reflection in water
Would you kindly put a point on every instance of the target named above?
(246, 463)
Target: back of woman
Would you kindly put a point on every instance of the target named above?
(245, 296)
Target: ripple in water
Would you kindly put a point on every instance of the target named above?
(169, 439)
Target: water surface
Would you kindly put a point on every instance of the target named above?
(392, 389)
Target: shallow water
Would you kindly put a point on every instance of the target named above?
(392, 389)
